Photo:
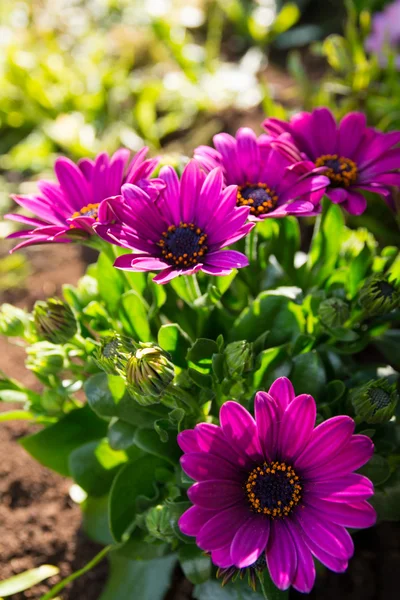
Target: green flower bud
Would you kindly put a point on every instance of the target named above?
(148, 373)
(158, 522)
(54, 321)
(45, 358)
(239, 357)
(114, 353)
(379, 296)
(13, 321)
(333, 312)
(376, 401)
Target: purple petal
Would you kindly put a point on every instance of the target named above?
(190, 188)
(325, 441)
(116, 171)
(374, 145)
(222, 557)
(305, 571)
(267, 424)
(248, 154)
(227, 259)
(166, 275)
(218, 232)
(353, 456)
(221, 529)
(227, 147)
(304, 187)
(331, 538)
(216, 494)
(281, 555)
(148, 263)
(241, 233)
(348, 488)
(335, 564)
(240, 429)
(210, 438)
(351, 131)
(135, 163)
(201, 466)
(170, 195)
(282, 392)
(324, 131)
(187, 441)
(357, 515)
(250, 541)
(100, 179)
(25, 220)
(337, 195)
(210, 198)
(193, 520)
(355, 203)
(72, 182)
(297, 426)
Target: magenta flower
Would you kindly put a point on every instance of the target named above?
(271, 184)
(385, 35)
(69, 207)
(277, 485)
(183, 231)
(356, 157)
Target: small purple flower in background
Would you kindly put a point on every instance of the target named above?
(183, 231)
(277, 486)
(270, 184)
(356, 157)
(385, 35)
(69, 207)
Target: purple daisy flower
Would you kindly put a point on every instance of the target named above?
(277, 485)
(69, 207)
(184, 230)
(270, 183)
(356, 157)
(385, 35)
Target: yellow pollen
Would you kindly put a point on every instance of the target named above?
(90, 210)
(340, 170)
(251, 194)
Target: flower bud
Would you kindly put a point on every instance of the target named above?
(114, 353)
(379, 296)
(148, 373)
(45, 358)
(239, 357)
(54, 321)
(158, 522)
(13, 321)
(333, 312)
(376, 401)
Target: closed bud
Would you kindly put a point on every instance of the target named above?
(45, 358)
(379, 296)
(13, 321)
(158, 522)
(375, 402)
(114, 354)
(333, 312)
(148, 373)
(54, 321)
(239, 357)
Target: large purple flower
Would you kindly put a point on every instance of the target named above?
(183, 231)
(68, 208)
(356, 157)
(271, 184)
(277, 486)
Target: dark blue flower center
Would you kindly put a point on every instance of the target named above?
(273, 489)
(383, 288)
(259, 197)
(183, 246)
(341, 171)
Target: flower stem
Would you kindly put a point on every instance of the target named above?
(62, 584)
(269, 589)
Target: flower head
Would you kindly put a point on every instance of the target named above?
(148, 373)
(269, 183)
(183, 231)
(385, 34)
(54, 320)
(275, 485)
(68, 208)
(379, 295)
(376, 401)
(356, 158)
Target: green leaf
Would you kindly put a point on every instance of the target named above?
(308, 374)
(138, 580)
(377, 469)
(53, 445)
(200, 379)
(135, 479)
(149, 441)
(358, 270)
(278, 314)
(94, 465)
(174, 340)
(95, 519)
(213, 590)
(202, 351)
(134, 314)
(267, 362)
(26, 580)
(387, 503)
(121, 435)
(110, 282)
(99, 396)
(326, 244)
(137, 548)
(270, 589)
(195, 564)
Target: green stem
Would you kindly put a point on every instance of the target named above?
(262, 586)
(193, 286)
(62, 584)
